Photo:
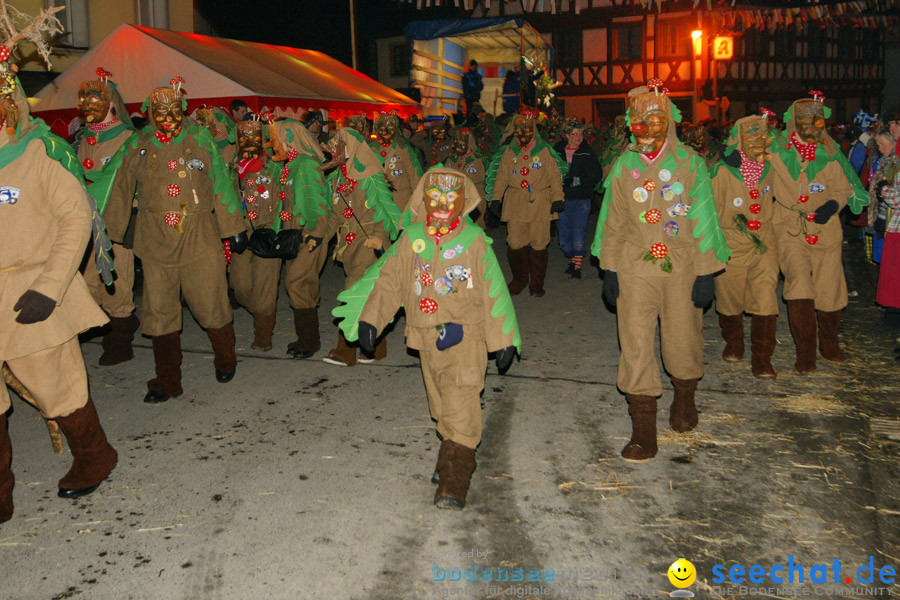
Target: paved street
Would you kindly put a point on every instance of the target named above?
(304, 480)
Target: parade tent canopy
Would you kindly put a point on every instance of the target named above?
(441, 48)
(285, 80)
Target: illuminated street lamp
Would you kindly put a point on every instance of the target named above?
(697, 37)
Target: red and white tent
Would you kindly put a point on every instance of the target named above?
(285, 80)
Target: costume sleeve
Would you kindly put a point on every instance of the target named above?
(610, 229)
(501, 328)
(556, 186)
(359, 303)
(123, 181)
(66, 200)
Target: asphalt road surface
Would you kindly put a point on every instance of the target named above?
(303, 480)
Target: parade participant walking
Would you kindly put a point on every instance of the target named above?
(527, 174)
(265, 206)
(659, 241)
(186, 205)
(309, 196)
(221, 127)
(443, 270)
(743, 190)
(813, 182)
(398, 158)
(101, 107)
(464, 157)
(433, 142)
(45, 223)
(363, 216)
(578, 186)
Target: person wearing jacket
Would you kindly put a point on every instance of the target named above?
(659, 242)
(578, 186)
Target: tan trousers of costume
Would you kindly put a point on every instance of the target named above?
(813, 273)
(255, 282)
(302, 277)
(56, 378)
(748, 285)
(521, 234)
(356, 258)
(205, 290)
(641, 301)
(454, 379)
(118, 299)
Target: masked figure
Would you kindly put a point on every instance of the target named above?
(434, 143)
(442, 269)
(813, 182)
(221, 127)
(465, 158)
(104, 133)
(399, 160)
(305, 187)
(265, 205)
(659, 241)
(359, 124)
(363, 216)
(186, 205)
(527, 174)
(742, 184)
(46, 221)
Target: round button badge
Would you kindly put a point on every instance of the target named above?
(738, 201)
(665, 175)
(640, 194)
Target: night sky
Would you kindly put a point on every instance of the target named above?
(322, 25)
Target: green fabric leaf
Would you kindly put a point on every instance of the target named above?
(603, 216)
(703, 210)
(380, 199)
(354, 298)
(499, 293)
(359, 166)
(223, 185)
(490, 176)
(859, 198)
(310, 192)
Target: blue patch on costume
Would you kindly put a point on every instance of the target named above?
(451, 334)
(195, 163)
(457, 272)
(537, 164)
(263, 179)
(397, 172)
(471, 170)
(9, 194)
(815, 188)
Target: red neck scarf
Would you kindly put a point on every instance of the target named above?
(750, 170)
(95, 127)
(807, 151)
(246, 166)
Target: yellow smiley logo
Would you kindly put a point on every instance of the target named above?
(682, 573)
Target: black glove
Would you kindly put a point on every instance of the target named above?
(879, 189)
(503, 358)
(367, 335)
(825, 212)
(34, 307)
(703, 291)
(611, 287)
(558, 206)
(239, 242)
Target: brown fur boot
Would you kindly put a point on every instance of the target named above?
(802, 319)
(344, 355)
(762, 344)
(519, 265)
(306, 325)
(733, 333)
(117, 341)
(263, 326)
(167, 355)
(93, 457)
(7, 480)
(538, 271)
(642, 445)
(225, 360)
(829, 323)
(455, 466)
(379, 354)
(683, 412)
